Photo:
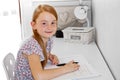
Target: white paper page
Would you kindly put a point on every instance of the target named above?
(85, 71)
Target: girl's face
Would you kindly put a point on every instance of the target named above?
(46, 25)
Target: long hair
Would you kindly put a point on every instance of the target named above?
(38, 10)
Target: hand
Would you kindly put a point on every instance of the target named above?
(53, 59)
(71, 66)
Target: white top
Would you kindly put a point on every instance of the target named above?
(90, 52)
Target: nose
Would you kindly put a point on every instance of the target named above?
(49, 26)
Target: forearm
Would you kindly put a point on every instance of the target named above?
(50, 73)
(46, 74)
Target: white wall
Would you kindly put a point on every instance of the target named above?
(10, 31)
(26, 15)
(28, 6)
(106, 19)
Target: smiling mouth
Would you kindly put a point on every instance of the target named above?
(48, 31)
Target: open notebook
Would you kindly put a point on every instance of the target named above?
(85, 71)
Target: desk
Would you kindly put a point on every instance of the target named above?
(90, 52)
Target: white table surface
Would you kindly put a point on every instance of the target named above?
(89, 51)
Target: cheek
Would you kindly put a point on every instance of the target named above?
(40, 30)
(55, 29)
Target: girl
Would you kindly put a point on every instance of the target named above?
(35, 51)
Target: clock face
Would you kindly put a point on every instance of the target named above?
(81, 12)
(75, 37)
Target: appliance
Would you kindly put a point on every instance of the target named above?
(81, 14)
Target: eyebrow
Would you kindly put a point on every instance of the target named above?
(47, 21)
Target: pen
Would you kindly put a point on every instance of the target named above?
(62, 64)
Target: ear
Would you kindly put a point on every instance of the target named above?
(33, 25)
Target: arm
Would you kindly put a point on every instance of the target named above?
(40, 74)
(53, 58)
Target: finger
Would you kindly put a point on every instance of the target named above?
(51, 58)
(55, 61)
(71, 61)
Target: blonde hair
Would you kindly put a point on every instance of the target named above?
(38, 10)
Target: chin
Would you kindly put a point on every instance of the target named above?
(48, 36)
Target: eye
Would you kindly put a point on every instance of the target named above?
(53, 23)
(44, 23)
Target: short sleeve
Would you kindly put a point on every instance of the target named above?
(31, 46)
